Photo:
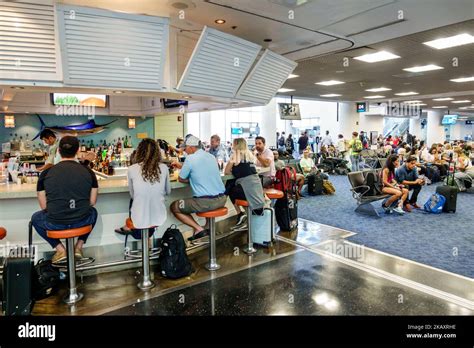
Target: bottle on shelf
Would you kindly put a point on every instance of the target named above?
(125, 142)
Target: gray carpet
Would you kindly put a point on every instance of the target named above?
(444, 241)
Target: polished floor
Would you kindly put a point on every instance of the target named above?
(311, 271)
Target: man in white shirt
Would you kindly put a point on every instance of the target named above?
(327, 140)
(265, 160)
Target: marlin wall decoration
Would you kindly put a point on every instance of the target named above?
(77, 130)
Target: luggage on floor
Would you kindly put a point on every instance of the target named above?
(451, 195)
(328, 187)
(17, 299)
(285, 180)
(315, 184)
(262, 227)
(449, 192)
(433, 173)
(286, 212)
(174, 262)
(341, 171)
(435, 204)
(45, 280)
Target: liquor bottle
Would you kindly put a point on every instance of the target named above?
(119, 146)
(125, 144)
(130, 145)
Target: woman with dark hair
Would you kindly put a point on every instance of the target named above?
(148, 182)
(391, 187)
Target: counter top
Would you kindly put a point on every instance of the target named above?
(12, 191)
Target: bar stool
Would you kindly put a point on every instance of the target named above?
(146, 283)
(211, 219)
(69, 235)
(3, 233)
(249, 249)
(134, 254)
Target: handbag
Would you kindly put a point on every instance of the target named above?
(45, 280)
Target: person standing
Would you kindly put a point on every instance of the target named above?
(341, 146)
(282, 142)
(302, 142)
(356, 147)
(50, 139)
(290, 144)
(327, 140)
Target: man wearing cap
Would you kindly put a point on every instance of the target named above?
(201, 171)
(67, 193)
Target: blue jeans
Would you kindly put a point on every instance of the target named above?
(355, 161)
(42, 226)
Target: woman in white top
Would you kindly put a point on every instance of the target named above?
(149, 183)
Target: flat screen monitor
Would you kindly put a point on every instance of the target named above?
(238, 130)
(69, 99)
(289, 111)
(449, 120)
(173, 103)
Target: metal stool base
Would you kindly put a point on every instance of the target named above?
(212, 266)
(146, 285)
(249, 250)
(73, 298)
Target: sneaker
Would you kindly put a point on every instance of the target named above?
(198, 235)
(242, 219)
(242, 227)
(398, 210)
(387, 210)
(59, 256)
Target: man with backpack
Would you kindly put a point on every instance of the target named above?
(356, 147)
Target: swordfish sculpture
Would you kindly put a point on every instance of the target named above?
(77, 130)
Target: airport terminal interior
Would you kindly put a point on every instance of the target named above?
(285, 157)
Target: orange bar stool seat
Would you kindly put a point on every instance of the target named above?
(249, 248)
(3, 233)
(211, 216)
(73, 295)
(273, 193)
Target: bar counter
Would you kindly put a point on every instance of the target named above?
(18, 203)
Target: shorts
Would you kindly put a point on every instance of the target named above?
(200, 205)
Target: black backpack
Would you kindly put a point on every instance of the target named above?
(45, 280)
(174, 262)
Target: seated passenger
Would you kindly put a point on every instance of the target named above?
(407, 175)
(265, 160)
(149, 183)
(247, 185)
(391, 187)
(201, 171)
(67, 193)
(464, 169)
(308, 166)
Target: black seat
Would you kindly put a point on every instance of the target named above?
(361, 193)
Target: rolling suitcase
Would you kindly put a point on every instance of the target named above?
(17, 275)
(286, 212)
(262, 227)
(449, 192)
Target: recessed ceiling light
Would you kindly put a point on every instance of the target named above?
(330, 95)
(219, 21)
(440, 107)
(292, 76)
(18, 87)
(422, 68)
(118, 92)
(412, 101)
(442, 99)
(329, 83)
(463, 79)
(403, 94)
(422, 104)
(283, 90)
(374, 97)
(451, 41)
(379, 89)
(461, 101)
(377, 57)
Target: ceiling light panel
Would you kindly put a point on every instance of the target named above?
(452, 41)
(423, 68)
(379, 89)
(329, 83)
(403, 94)
(377, 57)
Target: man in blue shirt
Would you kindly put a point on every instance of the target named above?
(218, 150)
(407, 175)
(201, 171)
